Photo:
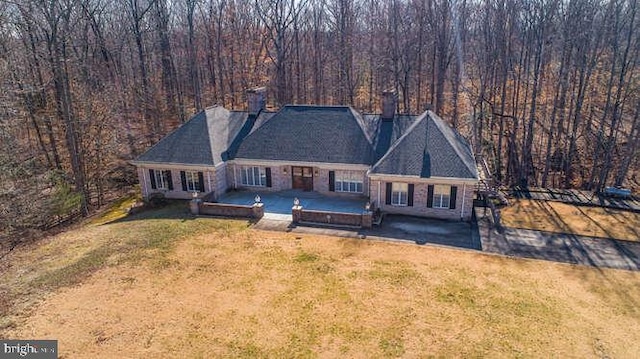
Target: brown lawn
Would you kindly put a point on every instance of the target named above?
(170, 286)
(565, 218)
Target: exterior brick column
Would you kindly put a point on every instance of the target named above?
(367, 219)
(194, 206)
(296, 213)
(258, 210)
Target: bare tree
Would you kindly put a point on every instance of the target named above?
(277, 17)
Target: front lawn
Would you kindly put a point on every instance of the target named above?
(165, 284)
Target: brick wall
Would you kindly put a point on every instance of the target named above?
(420, 208)
(209, 177)
(221, 182)
(321, 182)
(279, 179)
(351, 219)
(226, 210)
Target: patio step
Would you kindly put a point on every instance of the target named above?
(278, 217)
(327, 225)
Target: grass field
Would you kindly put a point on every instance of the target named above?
(164, 284)
(566, 218)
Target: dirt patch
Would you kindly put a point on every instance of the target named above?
(566, 218)
(224, 291)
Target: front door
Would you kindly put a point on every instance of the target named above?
(302, 178)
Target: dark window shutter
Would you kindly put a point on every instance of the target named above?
(388, 193)
(410, 195)
(430, 196)
(332, 181)
(267, 172)
(170, 180)
(152, 175)
(452, 200)
(200, 182)
(183, 179)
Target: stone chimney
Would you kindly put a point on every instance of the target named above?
(389, 104)
(256, 100)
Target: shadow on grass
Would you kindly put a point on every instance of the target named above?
(149, 235)
(558, 241)
(74, 273)
(569, 239)
(125, 243)
(172, 209)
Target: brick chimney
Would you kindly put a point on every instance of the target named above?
(256, 100)
(389, 104)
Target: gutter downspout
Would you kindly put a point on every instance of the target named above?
(209, 179)
(235, 181)
(144, 183)
(464, 191)
(379, 194)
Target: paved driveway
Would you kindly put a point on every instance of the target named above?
(560, 247)
(397, 228)
(427, 230)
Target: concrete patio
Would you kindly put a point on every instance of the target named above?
(280, 203)
(395, 227)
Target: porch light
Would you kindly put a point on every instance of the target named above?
(296, 202)
(257, 198)
(367, 206)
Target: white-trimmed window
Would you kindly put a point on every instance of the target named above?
(192, 181)
(162, 179)
(349, 181)
(441, 196)
(399, 194)
(253, 176)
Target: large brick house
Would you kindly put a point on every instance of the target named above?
(406, 164)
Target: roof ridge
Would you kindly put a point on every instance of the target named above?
(400, 140)
(208, 129)
(193, 118)
(314, 105)
(299, 132)
(260, 125)
(360, 122)
(439, 122)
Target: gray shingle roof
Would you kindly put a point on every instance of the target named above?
(429, 148)
(410, 145)
(385, 133)
(202, 140)
(333, 134)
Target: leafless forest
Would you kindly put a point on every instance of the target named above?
(547, 91)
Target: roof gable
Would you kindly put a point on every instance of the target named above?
(202, 140)
(386, 132)
(428, 148)
(422, 146)
(333, 134)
